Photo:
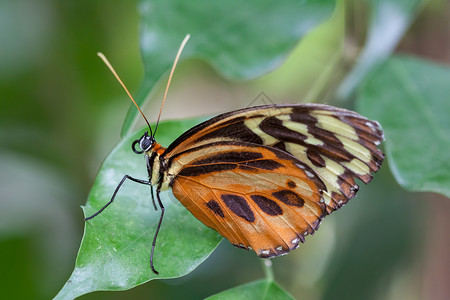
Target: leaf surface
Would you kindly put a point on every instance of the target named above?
(410, 98)
(257, 290)
(240, 39)
(115, 250)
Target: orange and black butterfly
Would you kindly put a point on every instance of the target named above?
(264, 177)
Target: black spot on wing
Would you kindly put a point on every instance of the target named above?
(332, 147)
(239, 206)
(291, 184)
(281, 146)
(315, 158)
(347, 185)
(289, 197)
(235, 129)
(205, 169)
(215, 208)
(268, 206)
(274, 127)
(264, 164)
(229, 157)
(339, 199)
(302, 115)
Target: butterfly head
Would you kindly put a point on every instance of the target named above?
(146, 142)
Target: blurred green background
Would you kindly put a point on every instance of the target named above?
(61, 113)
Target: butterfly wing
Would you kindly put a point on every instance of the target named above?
(337, 144)
(258, 197)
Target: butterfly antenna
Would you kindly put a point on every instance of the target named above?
(183, 43)
(105, 60)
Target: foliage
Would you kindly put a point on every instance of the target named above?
(413, 107)
(115, 251)
(227, 36)
(261, 289)
(61, 112)
(116, 245)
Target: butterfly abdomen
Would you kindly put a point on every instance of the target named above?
(156, 166)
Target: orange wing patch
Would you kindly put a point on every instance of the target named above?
(259, 198)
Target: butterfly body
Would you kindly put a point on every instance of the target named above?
(265, 177)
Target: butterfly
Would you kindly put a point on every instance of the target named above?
(264, 177)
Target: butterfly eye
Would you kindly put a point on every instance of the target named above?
(145, 143)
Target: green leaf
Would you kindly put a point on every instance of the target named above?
(388, 22)
(311, 69)
(258, 290)
(410, 98)
(240, 39)
(115, 250)
(376, 238)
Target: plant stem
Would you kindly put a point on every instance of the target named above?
(267, 267)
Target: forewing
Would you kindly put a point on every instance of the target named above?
(257, 197)
(337, 144)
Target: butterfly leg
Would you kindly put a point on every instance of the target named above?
(153, 198)
(115, 193)
(157, 231)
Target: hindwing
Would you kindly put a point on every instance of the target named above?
(257, 197)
